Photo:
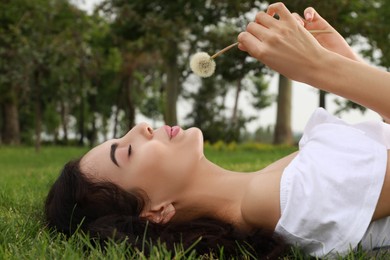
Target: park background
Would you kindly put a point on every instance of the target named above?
(80, 72)
(73, 73)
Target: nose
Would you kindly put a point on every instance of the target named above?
(142, 129)
(145, 130)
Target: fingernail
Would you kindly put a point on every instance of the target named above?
(308, 16)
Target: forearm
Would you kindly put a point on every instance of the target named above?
(353, 80)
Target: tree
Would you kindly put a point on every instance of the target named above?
(47, 33)
(283, 132)
(41, 41)
(11, 75)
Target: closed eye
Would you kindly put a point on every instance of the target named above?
(129, 151)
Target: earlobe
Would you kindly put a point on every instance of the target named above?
(151, 216)
(168, 213)
(162, 214)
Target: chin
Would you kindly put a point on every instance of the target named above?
(196, 138)
(196, 132)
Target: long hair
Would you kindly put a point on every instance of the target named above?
(106, 211)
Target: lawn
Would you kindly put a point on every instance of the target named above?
(25, 178)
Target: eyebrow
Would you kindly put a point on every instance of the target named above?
(112, 153)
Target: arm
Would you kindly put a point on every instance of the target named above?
(324, 61)
(353, 80)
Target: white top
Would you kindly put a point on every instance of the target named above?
(330, 190)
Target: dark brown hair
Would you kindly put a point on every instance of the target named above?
(105, 211)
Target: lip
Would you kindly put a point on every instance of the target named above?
(172, 131)
(175, 130)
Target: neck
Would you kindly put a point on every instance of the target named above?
(215, 193)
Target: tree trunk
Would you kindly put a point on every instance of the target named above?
(322, 99)
(10, 125)
(116, 122)
(130, 102)
(64, 119)
(38, 110)
(117, 107)
(81, 119)
(235, 108)
(172, 86)
(1, 123)
(92, 132)
(283, 133)
(38, 124)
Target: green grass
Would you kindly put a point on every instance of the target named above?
(26, 176)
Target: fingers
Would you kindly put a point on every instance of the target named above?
(258, 30)
(299, 19)
(265, 19)
(251, 40)
(281, 10)
(249, 43)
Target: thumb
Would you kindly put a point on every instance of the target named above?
(314, 18)
(309, 14)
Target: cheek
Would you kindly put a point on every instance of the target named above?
(160, 168)
(147, 163)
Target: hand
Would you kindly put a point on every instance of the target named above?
(284, 45)
(331, 41)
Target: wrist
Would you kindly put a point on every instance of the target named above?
(320, 68)
(335, 73)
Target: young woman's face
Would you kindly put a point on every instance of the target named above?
(159, 162)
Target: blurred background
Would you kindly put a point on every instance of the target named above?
(80, 72)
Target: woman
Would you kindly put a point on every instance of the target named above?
(327, 198)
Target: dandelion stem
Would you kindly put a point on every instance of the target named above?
(320, 31)
(236, 43)
(224, 50)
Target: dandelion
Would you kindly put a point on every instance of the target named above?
(203, 64)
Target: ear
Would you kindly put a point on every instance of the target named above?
(161, 214)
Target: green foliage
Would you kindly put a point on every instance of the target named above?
(261, 98)
(373, 25)
(208, 111)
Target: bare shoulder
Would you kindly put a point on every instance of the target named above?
(281, 163)
(260, 206)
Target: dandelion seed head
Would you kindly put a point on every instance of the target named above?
(202, 64)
